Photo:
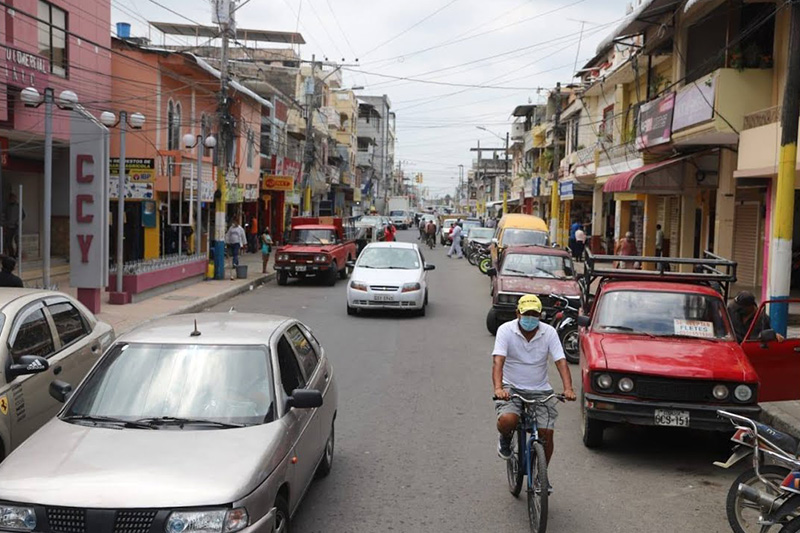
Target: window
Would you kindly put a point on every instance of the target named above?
(291, 377)
(251, 148)
(575, 133)
(33, 336)
(53, 37)
(306, 355)
(607, 127)
(69, 322)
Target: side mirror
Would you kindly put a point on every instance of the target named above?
(350, 264)
(584, 321)
(430, 267)
(60, 391)
(304, 399)
(492, 272)
(26, 365)
(767, 336)
(495, 241)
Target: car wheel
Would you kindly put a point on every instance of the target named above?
(491, 321)
(345, 272)
(351, 311)
(326, 464)
(283, 277)
(282, 518)
(333, 273)
(591, 430)
(426, 298)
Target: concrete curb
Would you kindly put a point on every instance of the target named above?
(773, 414)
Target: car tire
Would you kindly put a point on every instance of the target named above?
(345, 272)
(332, 274)
(283, 521)
(591, 430)
(283, 277)
(351, 311)
(492, 322)
(326, 464)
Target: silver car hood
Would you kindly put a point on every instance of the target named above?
(72, 465)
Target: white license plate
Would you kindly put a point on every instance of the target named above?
(301, 268)
(384, 298)
(668, 417)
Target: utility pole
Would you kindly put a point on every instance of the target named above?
(555, 199)
(783, 220)
(310, 90)
(505, 181)
(224, 16)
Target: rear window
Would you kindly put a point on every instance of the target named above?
(521, 237)
(397, 214)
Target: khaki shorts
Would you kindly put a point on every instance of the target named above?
(546, 414)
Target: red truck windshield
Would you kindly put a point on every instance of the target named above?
(313, 236)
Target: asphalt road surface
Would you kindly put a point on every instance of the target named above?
(416, 439)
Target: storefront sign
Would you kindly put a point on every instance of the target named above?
(655, 122)
(23, 69)
(356, 194)
(140, 178)
(283, 166)
(190, 189)
(278, 183)
(88, 203)
(250, 193)
(695, 103)
(566, 190)
(235, 194)
(133, 190)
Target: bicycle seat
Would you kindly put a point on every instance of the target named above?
(785, 442)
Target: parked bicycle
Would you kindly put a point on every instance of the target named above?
(528, 459)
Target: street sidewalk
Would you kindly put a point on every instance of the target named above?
(188, 299)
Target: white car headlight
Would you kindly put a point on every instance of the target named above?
(604, 381)
(625, 384)
(283, 257)
(743, 393)
(720, 392)
(15, 518)
(358, 286)
(209, 521)
(411, 287)
(320, 258)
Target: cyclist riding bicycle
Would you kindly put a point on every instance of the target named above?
(520, 356)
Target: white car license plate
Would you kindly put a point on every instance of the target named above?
(668, 417)
(301, 268)
(384, 298)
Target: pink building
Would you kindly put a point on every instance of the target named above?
(61, 44)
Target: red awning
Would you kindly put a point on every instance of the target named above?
(623, 181)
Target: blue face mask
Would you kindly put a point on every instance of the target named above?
(528, 323)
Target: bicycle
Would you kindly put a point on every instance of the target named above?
(431, 240)
(529, 459)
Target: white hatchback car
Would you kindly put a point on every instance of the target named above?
(389, 275)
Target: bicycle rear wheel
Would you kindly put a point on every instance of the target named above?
(538, 489)
(515, 467)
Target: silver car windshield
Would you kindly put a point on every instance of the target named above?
(389, 258)
(145, 382)
(481, 233)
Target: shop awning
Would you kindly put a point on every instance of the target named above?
(624, 181)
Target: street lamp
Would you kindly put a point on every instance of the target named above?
(136, 121)
(66, 100)
(190, 141)
(505, 176)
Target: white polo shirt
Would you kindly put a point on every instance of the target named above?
(526, 362)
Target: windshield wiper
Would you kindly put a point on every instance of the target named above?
(107, 420)
(629, 330)
(682, 336)
(179, 421)
(513, 271)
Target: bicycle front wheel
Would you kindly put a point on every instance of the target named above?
(515, 467)
(538, 489)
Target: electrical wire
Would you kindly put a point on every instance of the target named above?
(421, 21)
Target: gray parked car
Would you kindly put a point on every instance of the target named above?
(210, 422)
(44, 335)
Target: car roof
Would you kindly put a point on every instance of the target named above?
(11, 295)
(663, 286)
(215, 328)
(392, 244)
(536, 250)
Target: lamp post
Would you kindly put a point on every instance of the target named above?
(191, 141)
(66, 100)
(136, 121)
(505, 175)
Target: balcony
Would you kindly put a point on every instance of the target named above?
(368, 129)
(764, 117)
(364, 159)
(616, 159)
(712, 110)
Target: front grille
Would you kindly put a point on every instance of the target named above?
(134, 521)
(673, 389)
(383, 288)
(66, 520)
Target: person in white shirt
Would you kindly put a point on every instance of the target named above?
(580, 243)
(455, 247)
(236, 239)
(522, 351)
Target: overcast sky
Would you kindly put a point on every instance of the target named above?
(507, 48)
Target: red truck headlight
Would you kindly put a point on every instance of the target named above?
(321, 258)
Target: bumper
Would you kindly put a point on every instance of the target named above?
(376, 300)
(306, 270)
(642, 413)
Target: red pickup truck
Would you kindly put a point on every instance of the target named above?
(319, 247)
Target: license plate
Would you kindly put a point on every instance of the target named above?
(301, 268)
(384, 298)
(668, 417)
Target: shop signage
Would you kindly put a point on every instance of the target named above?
(88, 203)
(283, 166)
(140, 178)
(278, 183)
(655, 122)
(566, 190)
(356, 194)
(23, 69)
(250, 192)
(536, 189)
(235, 194)
(695, 103)
(190, 188)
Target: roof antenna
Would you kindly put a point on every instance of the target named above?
(196, 332)
(232, 309)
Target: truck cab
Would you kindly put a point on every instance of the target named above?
(317, 247)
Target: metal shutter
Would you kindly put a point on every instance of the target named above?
(747, 224)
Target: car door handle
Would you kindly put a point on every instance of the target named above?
(326, 376)
(95, 348)
(56, 370)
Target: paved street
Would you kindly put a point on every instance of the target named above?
(416, 439)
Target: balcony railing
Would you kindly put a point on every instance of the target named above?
(763, 117)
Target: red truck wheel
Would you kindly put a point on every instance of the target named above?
(333, 272)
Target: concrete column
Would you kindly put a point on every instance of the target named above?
(688, 207)
(598, 225)
(650, 221)
(622, 220)
(726, 205)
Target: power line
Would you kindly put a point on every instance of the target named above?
(424, 19)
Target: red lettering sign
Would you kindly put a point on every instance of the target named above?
(85, 242)
(81, 199)
(80, 160)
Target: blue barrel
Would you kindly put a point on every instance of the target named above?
(123, 30)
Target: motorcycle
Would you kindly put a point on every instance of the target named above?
(765, 497)
(473, 252)
(565, 321)
(483, 259)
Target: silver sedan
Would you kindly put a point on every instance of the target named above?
(209, 422)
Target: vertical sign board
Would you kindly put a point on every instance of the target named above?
(88, 217)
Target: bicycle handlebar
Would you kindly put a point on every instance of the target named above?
(559, 397)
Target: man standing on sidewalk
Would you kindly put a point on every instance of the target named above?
(253, 242)
(236, 239)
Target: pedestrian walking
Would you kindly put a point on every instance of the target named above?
(455, 247)
(580, 244)
(236, 239)
(7, 276)
(422, 225)
(659, 241)
(12, 225)
(627, 247)
(266, 248)
(389, 233)
(572, 229)
(252, 241)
